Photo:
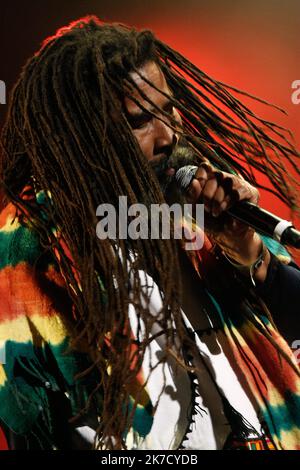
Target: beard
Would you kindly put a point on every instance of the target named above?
(183, 154)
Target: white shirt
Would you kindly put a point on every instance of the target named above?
(171, 419)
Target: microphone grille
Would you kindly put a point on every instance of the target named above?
(185, 175)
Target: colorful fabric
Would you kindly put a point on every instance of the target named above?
(35, 333)
(273, 382)
(251, 444)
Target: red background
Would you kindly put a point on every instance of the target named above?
(251, 44)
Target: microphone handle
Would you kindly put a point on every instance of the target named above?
(266, 223)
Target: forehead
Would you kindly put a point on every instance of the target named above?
(153, 73)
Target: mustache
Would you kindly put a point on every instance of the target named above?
(183, 154)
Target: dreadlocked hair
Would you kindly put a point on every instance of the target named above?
(67, 132)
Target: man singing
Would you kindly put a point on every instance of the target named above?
(139, 343)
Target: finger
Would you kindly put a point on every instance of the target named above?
(201, 175)
(208, 193)
(230, 185)
(237, 186)
(217, 201)
(194, 191)
(225, 203)
(227, 183)
(242, 193)
(207, 167)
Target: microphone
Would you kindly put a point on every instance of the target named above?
(261, 220)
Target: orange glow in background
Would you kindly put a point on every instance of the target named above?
(251, 44)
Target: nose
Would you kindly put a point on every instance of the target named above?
(166, 139)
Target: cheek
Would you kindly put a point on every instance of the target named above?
(145, 141)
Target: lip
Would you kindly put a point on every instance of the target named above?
(170, 171)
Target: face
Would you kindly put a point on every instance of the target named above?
(156, 139)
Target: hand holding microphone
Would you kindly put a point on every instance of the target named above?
(218, 191)
(231, 195)
(222, 191)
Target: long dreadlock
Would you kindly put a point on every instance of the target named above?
(67, 133)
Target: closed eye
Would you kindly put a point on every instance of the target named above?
(139, 120)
